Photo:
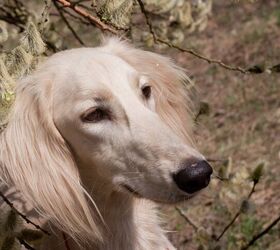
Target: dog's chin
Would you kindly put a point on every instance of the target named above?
(171, 199)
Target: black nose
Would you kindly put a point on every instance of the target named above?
(193, 177)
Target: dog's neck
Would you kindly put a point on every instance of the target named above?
(131, 223)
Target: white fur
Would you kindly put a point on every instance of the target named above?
(73, 172)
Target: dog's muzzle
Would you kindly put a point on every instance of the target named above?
(193, 177)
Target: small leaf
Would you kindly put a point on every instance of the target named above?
(257, 173)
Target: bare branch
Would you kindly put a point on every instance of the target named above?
(76, 18)
(67, 23)
(239, 212)
(251, 70)
(261, 234)
(11, 205)
(92, 19)
(179, 210)
(148, 20)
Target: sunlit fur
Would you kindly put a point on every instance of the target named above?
(74, 173)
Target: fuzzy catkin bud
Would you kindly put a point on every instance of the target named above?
(32, 41)
(118, 12)
(18, 61)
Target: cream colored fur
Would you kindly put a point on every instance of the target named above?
(75, 173)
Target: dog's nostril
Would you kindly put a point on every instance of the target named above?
(193, 177)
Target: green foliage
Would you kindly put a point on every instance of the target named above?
(243, 232)
(249, 226)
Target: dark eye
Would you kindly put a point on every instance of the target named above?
(96, 115)
(147, 91)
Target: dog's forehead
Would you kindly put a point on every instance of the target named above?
(92, 74)
(92, 68)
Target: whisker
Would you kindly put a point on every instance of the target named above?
(215, 176)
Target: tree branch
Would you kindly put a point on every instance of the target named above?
(25, 244)
(237, 214)
(67, 23)
(86, 15)
(179, 210)
(251, 70)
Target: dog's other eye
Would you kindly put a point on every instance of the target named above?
(147, 91)
(96, 115)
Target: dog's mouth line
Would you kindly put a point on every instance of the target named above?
(138, 195)
(131, 190)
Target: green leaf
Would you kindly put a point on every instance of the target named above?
(257, 173)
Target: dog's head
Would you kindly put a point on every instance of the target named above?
(111, 115)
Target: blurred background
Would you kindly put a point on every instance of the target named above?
(231, 51)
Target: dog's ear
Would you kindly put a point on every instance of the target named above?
(38, 162)
(170, 85)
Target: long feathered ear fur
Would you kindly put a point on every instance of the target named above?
(169, 84)
(36, 160)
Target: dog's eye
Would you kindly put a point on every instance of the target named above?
(147, 91)
(96, 115)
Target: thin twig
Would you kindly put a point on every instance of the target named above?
(237, 214)
(261, 234)
(148, 20)
(25, 244)
(215, 160)
(186, 50)
(89, 17)
(44, 16)
(200, 56)
(219, 177)
(179, 210)
(76, 18)
(11, 205)
(67, 23)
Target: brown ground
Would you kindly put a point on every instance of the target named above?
(243, 125)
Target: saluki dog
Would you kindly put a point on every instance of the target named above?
(96, 136)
